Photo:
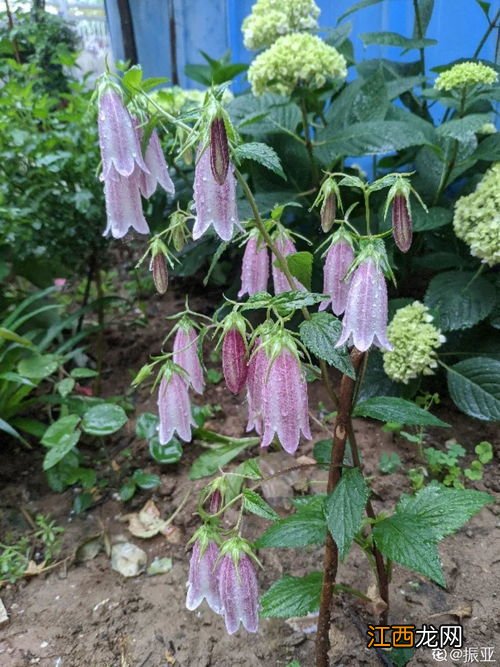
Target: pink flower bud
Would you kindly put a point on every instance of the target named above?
(215, 204)
(257, 371)
(239, 591)
(158, 170)
(328, 212)
(123, 205)
(215, 502)
(338, 260)
(284, 402)
(255, 267)
(120, 148)
(203, 576)
(160, 272)
(402, 226)
(174, 407)
(219, 150)
(234, 361)
(186, 354)
(365, 318)
(286, 247)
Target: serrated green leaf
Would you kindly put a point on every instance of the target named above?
(393, 409)
(292, 596)
(306, 526)
(474, 386)
(395, 39)
(462, 129)
(263, 154)
(253, 503)
(459, 299)
(345, 507)
(286, 302)
(209, 463)
(320, 334)
(300, 265)
(104, 419)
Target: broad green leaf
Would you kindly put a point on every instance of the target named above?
(488, 149)
(65, 387)
(10, 430)
(263, 154)
(127, 490)
(79, 373)
(395, 39)
(209, 463)
(60, 438)
(253, 503)
(300, 266)
(17, 379)
(169, 453)
(104, 419)
(443, 509)
(249, 469)
(375, 381)
(132, 78)
(145, 480)
(146, 425)
(306, 526)
(435, 218)
(459, 299)
(292, 596)
(474, 386)
(38, 366)
(320, 334)
(322, 451)
(407, 540)
(425, 9)
(345, 507)
(7, 334)
(286, 302)
(463, 128)
(357, 6)
(393, 409)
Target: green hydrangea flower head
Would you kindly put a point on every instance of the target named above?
(299, 59)
(271, 19)
(477, 218)
(415, 341)
(466, 74)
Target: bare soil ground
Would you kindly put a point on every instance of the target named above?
(87, 615)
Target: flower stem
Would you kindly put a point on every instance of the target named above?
(331, 557)
(309, 146)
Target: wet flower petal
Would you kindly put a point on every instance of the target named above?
(239, 593)
(186, 354)
(203, 580)
(255, 267)
(174, 408)
(124, 206)
(338, 260)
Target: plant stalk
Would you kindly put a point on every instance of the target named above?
(309, 146)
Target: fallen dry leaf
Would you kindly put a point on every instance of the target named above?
(459, 612)
(145, 523)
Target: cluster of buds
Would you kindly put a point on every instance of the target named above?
(126, 172)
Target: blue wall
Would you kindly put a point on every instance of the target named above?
(214, 26)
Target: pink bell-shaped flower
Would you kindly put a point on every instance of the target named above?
(215, 204)
(286, 247)
(234, 354)
(339, 258)
(402, 226)
(365, 317)
(157, 167)
(174, 406)
(285, 408)
(186, 354)
(255, 266)
(120, 147)
(123, 205)
(238, 587)
(257, 371)
(203, 581)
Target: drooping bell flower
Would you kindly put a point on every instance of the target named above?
(255, 266)
(257, 371)
(285, 246)
(402, 226)
(186, 354)
(203, 581)
(215, 204)
(339, 258)
(219, 150)
(285, 408)
(157, 167)
(174, 406)
(238, 587)
(365, 318)
(234, 354)
(123, 205)
(120, 148)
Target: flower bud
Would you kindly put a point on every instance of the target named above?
(234, 360)
(186, 354)
(219, 150)
(402, 227)
(328, 212)
(215, 502)
(159, 270)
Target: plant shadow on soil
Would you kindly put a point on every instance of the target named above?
(88, 615)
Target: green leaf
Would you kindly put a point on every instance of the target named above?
(459, 299)
(10, 430)
(484, 451)
(65, 387)
(434, 219)
(38, 366)
(463, 129)
(322, 451)
(83, 373)
(292, 596)
(357, 6)
(405, 539)
(485, 6)
(284, 303)
(395, 39)
(320, 334)
(474, 386)
(306, 526)
(393, 409)
(263, 154)
(372, 138)
(488, 149)
(127, 490)
(60, 437)
(7, 334)
(300, 265)
(169, 453)
(145, 480)
(209, 463)
(345, 507)
(147, 425)
(443, 510)
(104, 419)
(253, 503)
(132, 78)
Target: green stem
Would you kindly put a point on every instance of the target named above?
(366, 195)
(491, 27)
(447, 172)
(420, 34)
(309, 146)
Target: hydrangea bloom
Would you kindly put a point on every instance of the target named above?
(186, 354)
(238, 587)
(299, 59)
(203, 581)
(415, 340)
(477, 218)
(270, 19)
(465, 74)
(174, 407)
(255, 266)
